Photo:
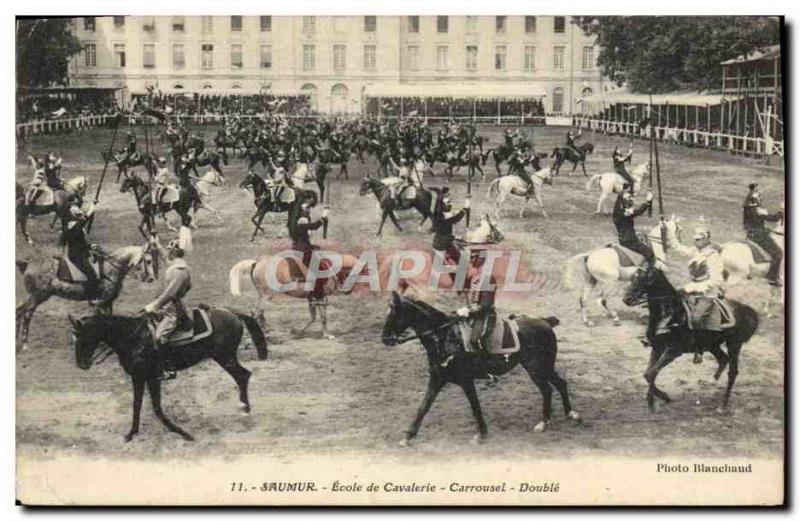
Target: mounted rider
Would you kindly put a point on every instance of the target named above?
(516, 166)
(79, 250)
(281, 179)
(480, 297)
(196, 147)
(168, 307)
(571, 137)
(407, 180)
(443, 221)
(619, 164)
(624, 213)
(131, 154)
(299, 228)
(754, 220)
(160, 180)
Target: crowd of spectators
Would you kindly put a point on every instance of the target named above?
(228, 105)
(453, 107)
(44, 108)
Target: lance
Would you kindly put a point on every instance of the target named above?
(326, 207)
(652, 141)
(103, 175)
(467, 202)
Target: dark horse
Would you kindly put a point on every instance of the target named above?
(62, 201)
(144, 159)
(421, 202)
(263, 200)
(562, 154)
(666, 307)
(188, 200)
(223, 141)
(125, 336)
(436, 331)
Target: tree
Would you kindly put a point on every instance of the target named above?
(666, 53)
(44, 46)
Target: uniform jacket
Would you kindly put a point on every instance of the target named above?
(299, 231)
(178, 283)
(620, 160)
(443, 229)
(75, 237)
(480, 301)
(755, 217)
(623, 218)
(705, 268)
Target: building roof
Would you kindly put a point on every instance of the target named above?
(478, 91)
(768, 53)
(623, 95)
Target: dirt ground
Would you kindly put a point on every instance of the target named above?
(354, 395)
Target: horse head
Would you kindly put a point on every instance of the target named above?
(85, 340)
(366, 185)
(399, 318)
(647, 283)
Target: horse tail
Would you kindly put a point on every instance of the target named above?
(575, 271)
(22, 266)
(256, 333)
(237, 273)
(494, 188)
(593, 182)
(553, 321)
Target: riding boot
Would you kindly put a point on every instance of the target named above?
(697, 345)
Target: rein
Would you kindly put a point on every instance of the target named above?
(429, 332)
(102, 355)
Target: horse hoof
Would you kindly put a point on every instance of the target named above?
(129, 436)
(540, 427)
(573, 415)
(405, 442)
(244, 408)
(479, 439)
(187, 437)
(616, 321)
(328, 336)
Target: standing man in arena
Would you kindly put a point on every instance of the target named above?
(754, 221)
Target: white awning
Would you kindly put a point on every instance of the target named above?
(596, 102)
(477, 91)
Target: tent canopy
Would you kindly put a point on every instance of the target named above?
(477, 91)
(596, 102)
(768, 53)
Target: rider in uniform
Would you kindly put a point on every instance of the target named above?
(443, 221)
(754, 218)
(480, 310)
(623, 216)
(131, 154)
(169, 306)
(516, 166)
(299, 233)
(160, 180)
(571, 137)
(79, 250)
(619, 164)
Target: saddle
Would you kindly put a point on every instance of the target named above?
(66, 271)
(299, 271)
(627, 257)
(199, 329)
(708, 313)
(504, 339)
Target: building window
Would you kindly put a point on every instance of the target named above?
(370, 24)
(586, 92)
(266, 24)
(178, 56)
(413, 57)
(309, 24)
(119, 55)
(236, 56)
(207, 56)
(529, 61)
(178, 24)
(558, 58)
(369, 57)
(149, 24)
(90, 54)
(236, 24)
(441, 57)
(441, 24)
(339, 57)
(119, 22)
(500, 24)
(413, 24)
(558, 99)
(309, 58)
(88, 23)
(500, 58)
(530, 24)
(587, 61)
(559, 24)
(207, 24)
(149, 56)
(266, 56)
(472, 57)
(472, 24)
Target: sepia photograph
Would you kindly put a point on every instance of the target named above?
(362, 259)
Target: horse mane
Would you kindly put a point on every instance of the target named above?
(133, 253)
(430, 310)
(114, 326)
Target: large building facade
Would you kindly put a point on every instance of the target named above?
(335, 60)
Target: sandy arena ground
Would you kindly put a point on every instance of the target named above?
(354, 395)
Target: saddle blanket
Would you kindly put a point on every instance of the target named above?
(710, 314)
(46, 198)
(201, 328)
(66, 271)
(171, 194)
(504, 339)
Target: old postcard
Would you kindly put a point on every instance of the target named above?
(400, 260)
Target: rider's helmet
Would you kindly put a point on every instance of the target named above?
(753, 197)
(701, 236)
(162, 161)
(52, 157)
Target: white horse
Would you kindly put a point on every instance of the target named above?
(739, 264)
(203, 186)
(601, 267)
(613, 182)
(501, 187)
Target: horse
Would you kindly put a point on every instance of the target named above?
(257, 154)
(125, 336)
(436, 329)
(388, 204)
(613, 182)
(41, 282)
(74, 190)
(739, 264)
(303, 173)
(666, 306)
(188, 200)
(500, 154)
(602, 267)
(223, 141)
(206, 158)
(123, 164)
(262, 198)
(562, 154)
(261, 272)
(203, 186)
(501, 187)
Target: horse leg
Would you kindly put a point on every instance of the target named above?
(561, 386)
(582, 302)
(524, 207)
(472, 395)
(537, 196)
(393, 217)
(383, 220)
(138, 392)
(53, 222)
(240, 375)
(602, 301)
(154, 388)
(722, 360)
(312, 311)
(435, 384)
(650, 376)
(733, 370)
(583, 166)
(603, 196)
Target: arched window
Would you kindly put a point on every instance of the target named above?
(310, 91)
(236, 86)
(558, 100)
(339, 98)
(207, 86)
(586, 92)
(177, 86)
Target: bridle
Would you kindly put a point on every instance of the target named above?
(426, 333)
